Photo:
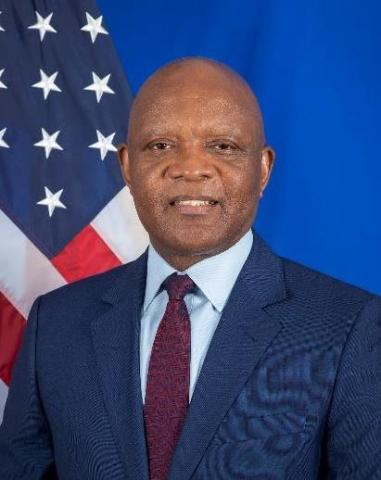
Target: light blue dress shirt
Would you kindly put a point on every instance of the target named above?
(215, 277)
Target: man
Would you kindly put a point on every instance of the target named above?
(209, 357)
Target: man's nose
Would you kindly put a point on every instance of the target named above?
(192, 164)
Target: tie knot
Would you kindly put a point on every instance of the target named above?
(178, 286)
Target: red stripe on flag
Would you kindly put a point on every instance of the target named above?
(87, 254)
(12, 325)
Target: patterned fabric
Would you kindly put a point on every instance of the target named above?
(167, 394)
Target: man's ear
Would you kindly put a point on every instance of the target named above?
(124, 163)
(267, 163)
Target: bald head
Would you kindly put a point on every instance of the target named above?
(196, 79)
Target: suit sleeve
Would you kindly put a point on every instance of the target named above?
(25, 442)
(353, 440)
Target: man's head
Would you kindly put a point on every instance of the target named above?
(195, 135)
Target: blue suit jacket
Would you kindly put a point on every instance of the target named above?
(290, 387)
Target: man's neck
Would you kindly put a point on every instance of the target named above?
(183, 262)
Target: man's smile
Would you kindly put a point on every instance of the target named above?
(193, 205)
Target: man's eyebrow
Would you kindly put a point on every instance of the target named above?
(224, 132)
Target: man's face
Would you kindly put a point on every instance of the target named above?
(195, 167)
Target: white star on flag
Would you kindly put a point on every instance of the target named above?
(104, 144)
(1, 28)
(94, 27)
(3, 143)
(2, 85)
(43, 25)
(48, 142)
(52, 200)
(100, 86)
(47, 83)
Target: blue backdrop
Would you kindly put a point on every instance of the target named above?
(316, 68)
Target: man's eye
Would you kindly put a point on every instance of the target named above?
(225, 147)
(160, 146)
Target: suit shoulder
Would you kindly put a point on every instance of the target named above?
(88, 289)
(305, 282)
(319, 307)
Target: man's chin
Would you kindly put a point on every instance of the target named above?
(193, 244)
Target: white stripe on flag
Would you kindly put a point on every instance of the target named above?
(119, 226)
(3, 398)
(25, 273)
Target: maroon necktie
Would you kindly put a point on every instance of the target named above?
(167, 392)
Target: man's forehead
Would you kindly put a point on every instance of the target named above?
(181, 103)
(193, 90)
(193, 115)
(176, 102)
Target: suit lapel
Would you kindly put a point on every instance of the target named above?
(244, 332)
(116, 345)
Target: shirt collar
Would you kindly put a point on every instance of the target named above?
(215, 276)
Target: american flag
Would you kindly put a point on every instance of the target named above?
(64, 211)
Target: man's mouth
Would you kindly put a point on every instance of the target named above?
(194, 203)
(193, 200)
(187, 205)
